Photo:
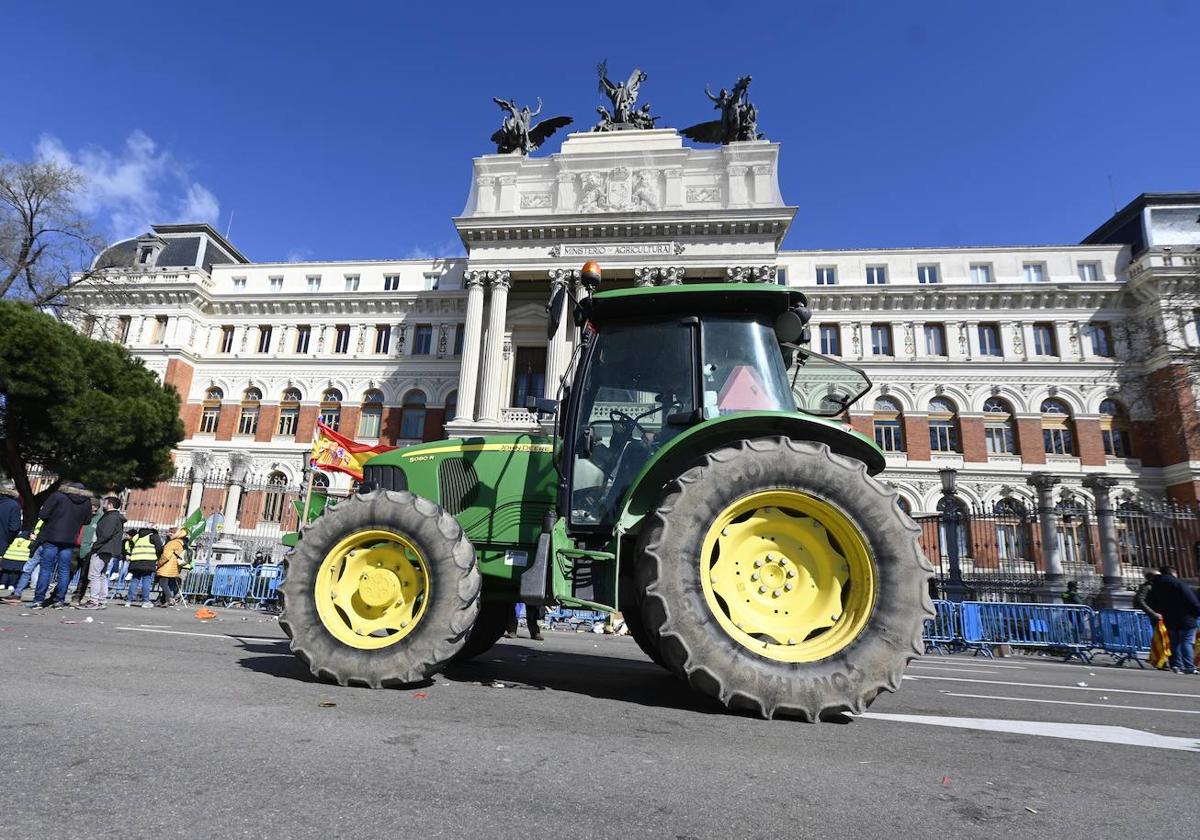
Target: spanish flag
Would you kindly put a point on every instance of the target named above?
(333, 453)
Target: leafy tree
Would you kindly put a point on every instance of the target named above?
(85, 410)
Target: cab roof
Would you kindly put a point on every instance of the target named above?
(765, 299)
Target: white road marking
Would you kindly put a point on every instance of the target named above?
(1056, 687)
(948, 668)
(205, 635)
(970, 663)
(1073, 703)
(1071, 731)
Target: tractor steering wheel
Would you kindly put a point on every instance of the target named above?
(624, 426)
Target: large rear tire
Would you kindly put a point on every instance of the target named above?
(489, 627)
(381, 591)
(631, 610)
(779, 578)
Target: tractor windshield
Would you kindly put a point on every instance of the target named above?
(743, 368)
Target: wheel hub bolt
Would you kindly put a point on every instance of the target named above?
(759, 563)
(791, 572)
(791, 641)
(754, 576)
(771, 557)
(762, 589)
(776, 593)
(788, 586)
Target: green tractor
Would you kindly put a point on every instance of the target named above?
(696, 482)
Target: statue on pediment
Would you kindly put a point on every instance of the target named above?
(739, 117)
(518, 134)
(622, 96)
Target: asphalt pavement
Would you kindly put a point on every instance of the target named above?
(153, 724)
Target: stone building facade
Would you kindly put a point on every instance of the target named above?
(1000, 362)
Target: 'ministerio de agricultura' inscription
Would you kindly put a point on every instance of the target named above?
(631, 249)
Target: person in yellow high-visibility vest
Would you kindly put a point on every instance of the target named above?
(144, 552)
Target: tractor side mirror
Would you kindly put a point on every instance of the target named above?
(790, 326)
(541, 406)
(555, 309)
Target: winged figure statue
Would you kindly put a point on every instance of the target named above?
(623, 98)
(518, 134)
(738, 121)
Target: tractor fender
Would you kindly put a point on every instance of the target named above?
(683, 451)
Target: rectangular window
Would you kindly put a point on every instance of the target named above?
(123, 323)
(351, 282)
(303, 334)
(264, 338)
(314, 282)
(1043, 340)
(1116, 443)
(1089, 272)
(248, 421)
(209, 419)
(989, 340)
(144, 256)
(831, 339)
(288, 418)
(1058, 441)
(781, 276)
(459, 330)
(943, 436)
(999, 439)
(341, 339)
(383, 338)
(877, 275)
(276, 284)
(881, 339)
(935, 340)
(928, 274)
(827, 276)
(529, 375)
(431, 281)
(423, 340)
(370, 421)
(888, 436)
(160, 330)
(331, 416)
(226, 339)
(1102, 340)
(981, 273)
(391, 282)
(1035, 272)
(239, 284)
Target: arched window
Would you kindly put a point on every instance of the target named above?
(943, 426)
(412, 415)
(451, 408)
(1057, 434)
(998, 427)
(888, 435)
(289, 412)
(1114, 427)
(331, 408)
(248, 419)
(1011, 524)
(320, 481)
(210, 412)
(370, 420)
(275, 497)
(904, 505)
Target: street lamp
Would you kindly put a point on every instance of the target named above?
(951, 522)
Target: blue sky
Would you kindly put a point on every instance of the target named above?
(345, 131)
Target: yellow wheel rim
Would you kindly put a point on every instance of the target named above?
(788, 575)
(372, 589)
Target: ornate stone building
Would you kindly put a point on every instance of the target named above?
(1000, 362)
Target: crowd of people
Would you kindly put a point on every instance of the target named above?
(78, 546)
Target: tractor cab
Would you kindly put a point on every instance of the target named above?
(657, 362)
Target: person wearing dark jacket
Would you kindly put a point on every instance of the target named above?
(1180, 608)
(63, 516)
(10, 527)
(144, 551)
(107, 544)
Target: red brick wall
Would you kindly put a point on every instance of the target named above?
(435, 422)
(190, 414)
(268, 416)
(916, 438)
(1090, 443)
(252, 503)
(391, 424)
(229, 419)
(1029, 440)
(1186, 493)
(349, 423)
(179, 374)
(862, 424)
(213, 500)
(306, 423)
(973, 445)
(1144, 440)
(1175, 415)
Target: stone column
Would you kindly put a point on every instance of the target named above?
(1113, 594)
(226, 550)
(558, 349)
(468, 374)
(1026, 340)
(1045, 483)
(493, 360)
(972, 340)
(200, 464)
(955, 347)
(922, 349)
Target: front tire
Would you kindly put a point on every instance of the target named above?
(381, 591)
(779, 578)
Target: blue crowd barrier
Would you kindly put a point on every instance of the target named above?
(231, 583)
(942, 631)
(1124, 634)
(197, 584)
(264, 584)
(1062, 627)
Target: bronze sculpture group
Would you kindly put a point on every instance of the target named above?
(738, 121)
